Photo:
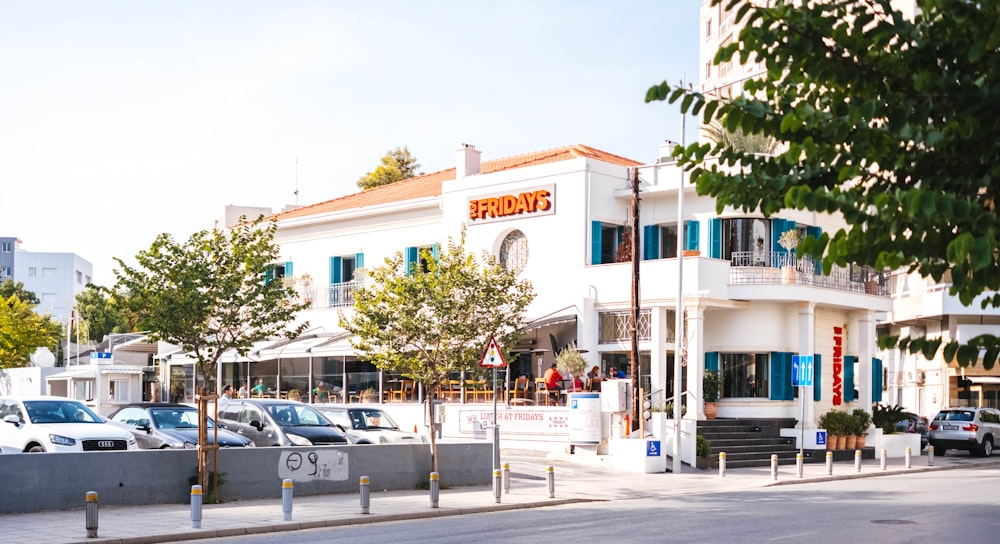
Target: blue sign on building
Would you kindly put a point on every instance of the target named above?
(802, 370)
(100, 355)
(820, 438)
(653, 448)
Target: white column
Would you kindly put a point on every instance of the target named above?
(862, 342)
(807, 346)
(695, 349)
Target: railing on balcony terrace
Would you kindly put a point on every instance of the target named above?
(771, 267)
(340, 295)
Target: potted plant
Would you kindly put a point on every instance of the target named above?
(838, 425)
(710, 392)
(826, 422)
(369, 395)
(789, 240)
(862, 420)
(571, 364)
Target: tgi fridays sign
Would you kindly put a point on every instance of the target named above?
(531, 202)
(838, 366)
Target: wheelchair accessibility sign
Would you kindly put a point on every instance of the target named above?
(653, 448)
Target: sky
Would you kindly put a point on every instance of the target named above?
(122, 120)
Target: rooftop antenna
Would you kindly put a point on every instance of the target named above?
(296, 181)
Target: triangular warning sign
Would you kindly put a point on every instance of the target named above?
(492, 358)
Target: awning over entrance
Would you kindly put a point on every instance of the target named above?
(312, 345)
(547, 321)
(984, 380)
(92, 371)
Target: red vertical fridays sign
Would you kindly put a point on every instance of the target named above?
(838, 366)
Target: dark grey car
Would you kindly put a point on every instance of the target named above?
(279, 422)
(160, 425)
(914, 424)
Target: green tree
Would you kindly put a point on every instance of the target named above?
(22, 331)
(891, 122)
(436, 317)
(10, 288)
(211, 294)
(102, 312)
(396, 165)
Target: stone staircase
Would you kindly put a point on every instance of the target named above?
(749, 442)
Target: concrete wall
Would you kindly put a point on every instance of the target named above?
(56, 481)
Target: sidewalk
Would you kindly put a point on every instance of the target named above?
(166, 523)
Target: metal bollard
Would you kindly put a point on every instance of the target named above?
(496, 485)
(930, 456)
(550, 475)
(798, 464)
(909, 458)
(722, 464)
(92, 514)
(286, 499)
(435, 489)
(366, 494)
(506, 478)
(774, 466)
(829, 463)
(196, 501)
(884, 459)
(857, 461)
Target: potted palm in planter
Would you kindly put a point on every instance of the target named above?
(710, 392)
(789, 240)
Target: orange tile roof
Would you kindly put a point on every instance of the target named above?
(429, 185)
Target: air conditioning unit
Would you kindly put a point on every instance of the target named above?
(921, 377)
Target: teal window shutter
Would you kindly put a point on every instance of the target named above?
(715, 238)
(595, 242)
(691, 235)
(359, 260)
(877, 380)
(778, 226)
(712, 361)
(781, 376)
(436, 252)
(288, 270)
(849, 361)
(651, 242)
(268, 274)
(816, 232)
(817, 383)
(412, 258)
(335, 270)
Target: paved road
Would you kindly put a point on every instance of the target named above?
(946, 506)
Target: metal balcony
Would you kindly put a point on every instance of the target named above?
(778, 267)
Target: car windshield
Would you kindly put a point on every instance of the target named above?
(297, 415)
(177, 418)
(956, 415)
(369, 419)
(59, 411)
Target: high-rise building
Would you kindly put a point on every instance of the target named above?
(55, 278)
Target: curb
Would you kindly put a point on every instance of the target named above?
(878, 472)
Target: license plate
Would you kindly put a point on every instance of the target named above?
(951, 427)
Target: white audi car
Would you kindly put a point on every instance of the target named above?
(45, 423)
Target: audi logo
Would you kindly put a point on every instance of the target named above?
(105, 443)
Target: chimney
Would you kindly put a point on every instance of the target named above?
(666, 150)
(467, 161)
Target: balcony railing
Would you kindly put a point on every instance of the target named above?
(340, 295)
(774, 267)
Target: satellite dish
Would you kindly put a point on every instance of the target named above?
(43, 357)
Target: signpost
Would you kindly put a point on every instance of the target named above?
(493, 358)
(802, 377)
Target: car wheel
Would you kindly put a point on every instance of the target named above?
(36, 449)
(986, 449)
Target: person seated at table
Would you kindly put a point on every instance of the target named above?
(260, 389)
(553, 380)
(320, 393)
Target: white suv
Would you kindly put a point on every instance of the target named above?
(45, 423)
(973, 429)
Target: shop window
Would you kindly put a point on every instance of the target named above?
(118, 391)
(745, 375)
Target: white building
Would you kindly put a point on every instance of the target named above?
(55, 278)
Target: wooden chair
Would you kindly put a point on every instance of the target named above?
(485, 390)
(520, 390)
(400, 393)
(541, 392)
(454, 390)
(471, 391)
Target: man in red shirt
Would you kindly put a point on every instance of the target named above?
(553, 383)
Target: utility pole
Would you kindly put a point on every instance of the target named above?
(634, 318)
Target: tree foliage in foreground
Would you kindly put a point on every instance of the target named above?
(396, 165)
(22, 331)
(9, 288)
(427, 323)
(893, 123)
(210, 294)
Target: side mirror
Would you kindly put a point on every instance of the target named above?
(259, 425)
(13, 418)
(144, 426)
